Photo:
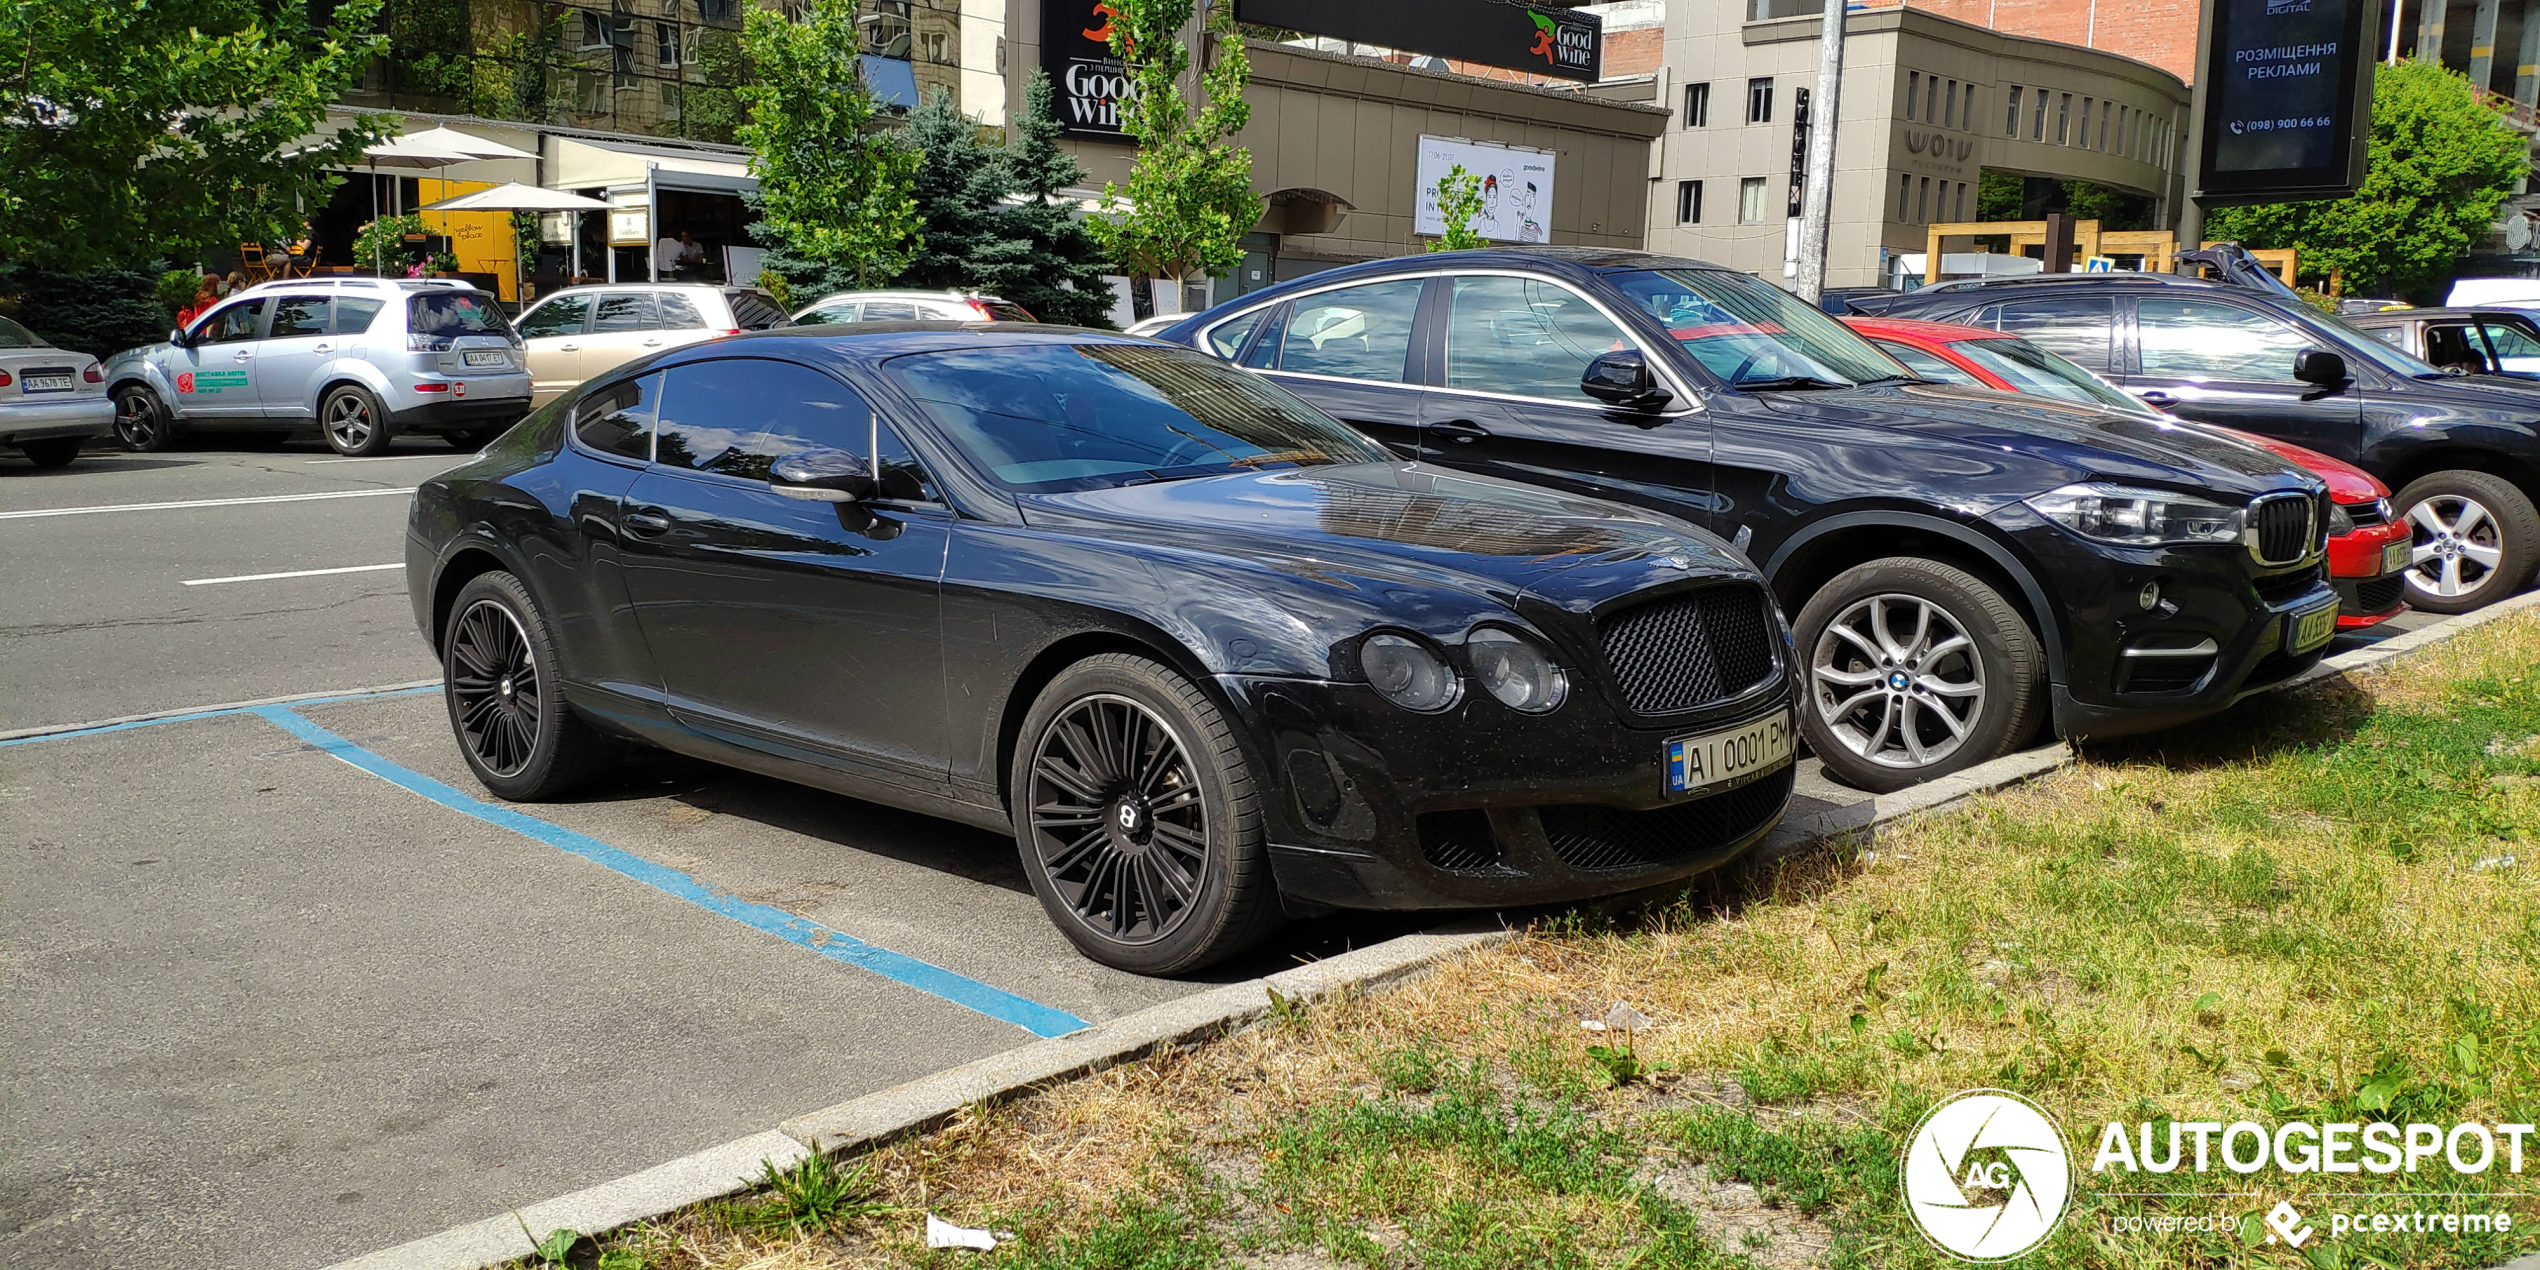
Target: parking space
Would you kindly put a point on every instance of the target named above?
(283, 985)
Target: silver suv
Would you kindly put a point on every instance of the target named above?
(359, 359)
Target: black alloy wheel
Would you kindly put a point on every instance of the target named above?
(1141, 826)
(498, 679)
(140, 424)
(353, 423)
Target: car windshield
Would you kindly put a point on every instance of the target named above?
(455, 313)
(1752, 334)
(13, 335)
(2033, 369)
(1046, 418)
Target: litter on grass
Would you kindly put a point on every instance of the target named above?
(943, 1234)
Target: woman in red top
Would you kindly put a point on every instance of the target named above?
(205, 296)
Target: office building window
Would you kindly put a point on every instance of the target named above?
(1913, 92)
(1949, 107)
(1962, 200)
(1931, 100)
(2038, 130)
(1968, 113)
(1750, 200)
(2104, 109)
(1688, 202)
(1698, 105)
(2064, 119)
(2083, 138)
(1759, 101)
(666, 43)
(2011, 120)
(1905, 197)
(1922, 202)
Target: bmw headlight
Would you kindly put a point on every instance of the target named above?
(1408, 673)
(2138, 517)
(1512, 669)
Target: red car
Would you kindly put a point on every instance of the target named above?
(2368, 552)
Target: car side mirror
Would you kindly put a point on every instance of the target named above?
(2319, 366)
(176, 336)
(1622, 378)
(822, 476)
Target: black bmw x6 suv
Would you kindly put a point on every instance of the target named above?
(1961, 565)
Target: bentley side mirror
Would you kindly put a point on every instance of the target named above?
(2319, 366)
(822, 476)
(1622, 378)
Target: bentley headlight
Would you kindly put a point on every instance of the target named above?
(1408, 673)
(2138, 517)
(1512, 669)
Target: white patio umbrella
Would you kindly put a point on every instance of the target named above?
(512, 196)
(474, 147)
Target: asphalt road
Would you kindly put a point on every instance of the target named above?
(280, 987)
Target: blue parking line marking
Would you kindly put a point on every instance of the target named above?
(926, 977)
(221, 713)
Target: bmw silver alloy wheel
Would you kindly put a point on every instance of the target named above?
(1118, 818)
(1897, 681)
(2459, 546)
(348, 421)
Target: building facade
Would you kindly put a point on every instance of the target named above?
(1929, 105)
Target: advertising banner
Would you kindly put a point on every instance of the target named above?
(1516, 188)
(1089, 81)
(2287, 99)
(1502, 33)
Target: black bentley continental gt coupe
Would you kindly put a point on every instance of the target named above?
(1211, 656)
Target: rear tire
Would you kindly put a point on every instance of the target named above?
(56, 452)
(353, 422)
(505, 697)
(2476, 536)
(1915, 669)
(1158, 863)
(141, 423)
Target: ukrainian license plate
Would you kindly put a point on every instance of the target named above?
(46, 383)
(2312, 629)
(2398, 555)
(1717, 758)
(487, 357)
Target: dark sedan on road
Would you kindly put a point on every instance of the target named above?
(1961, 564)
(2462, 450)
(1211, 656)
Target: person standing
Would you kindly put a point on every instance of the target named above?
(666, 255)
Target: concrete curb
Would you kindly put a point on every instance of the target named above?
(923, 1104)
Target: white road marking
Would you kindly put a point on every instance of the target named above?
(201, 502)
(297, 573)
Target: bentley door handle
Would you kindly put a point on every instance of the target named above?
(646, 524)
(1461, 431)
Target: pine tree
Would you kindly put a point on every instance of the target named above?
(961, 189)
(1067, 278)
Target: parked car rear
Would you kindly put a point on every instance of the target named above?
(361, 360)
(52, 400)
(579, 332)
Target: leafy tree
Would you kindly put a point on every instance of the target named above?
(1189, 196)
(1068, 277)
(1459, 202)
(132, 133)
(834, 186)
(2441, 163)
(960, 191)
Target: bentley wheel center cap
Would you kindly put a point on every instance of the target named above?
(505, 688)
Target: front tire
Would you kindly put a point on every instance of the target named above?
(1139, 820)
(1915, 669)
(141, 423)
(499, 680)
(353, 422)
(53, 452)
(2477, 540)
